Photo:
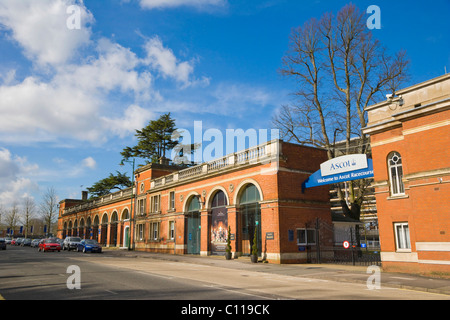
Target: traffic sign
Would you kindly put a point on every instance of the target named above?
(346, 244)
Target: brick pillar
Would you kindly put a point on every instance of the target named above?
(270, 235)
(205, 230)
(232, 223)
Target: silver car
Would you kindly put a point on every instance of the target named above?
(71, 243)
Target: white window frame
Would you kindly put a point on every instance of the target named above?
(155, 205)
(308, 241)
(396, 182)
(140, 232)
(154, 231)
(171, 230)
(172, 200)
(141, 204)
(402, 237)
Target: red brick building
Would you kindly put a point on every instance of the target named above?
(188, 211)
(410, 139)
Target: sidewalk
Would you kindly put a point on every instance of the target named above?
(332, 272)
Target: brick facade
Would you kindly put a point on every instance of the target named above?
(416, 125)
(261, 187)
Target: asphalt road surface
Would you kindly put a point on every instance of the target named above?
(26, 274)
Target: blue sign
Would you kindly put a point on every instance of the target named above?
(317, 180)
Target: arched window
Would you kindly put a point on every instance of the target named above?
(95, 228)
(194, 205)
(394, 162)
(250, 218)
(193, 226)
(113, 229)
(125, 215)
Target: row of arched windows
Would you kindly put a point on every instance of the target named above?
(248, 221)
(88, 228)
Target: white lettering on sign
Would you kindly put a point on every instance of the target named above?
(346, 163)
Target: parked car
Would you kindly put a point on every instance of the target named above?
(60, 241)
(26, 242)
(49, 245)
(2, 244)
(35, 243)
(88, 245)
(8, 240)
(71, 243)
(18, 241)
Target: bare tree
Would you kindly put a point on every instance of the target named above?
(12, 217)
(29, 210)
(339, 69)
(49, 208)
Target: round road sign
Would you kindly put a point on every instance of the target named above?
(346, 244)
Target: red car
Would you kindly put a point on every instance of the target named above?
(49, 245)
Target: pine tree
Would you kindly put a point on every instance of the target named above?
(153, 140)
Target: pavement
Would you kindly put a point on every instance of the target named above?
(333, 272)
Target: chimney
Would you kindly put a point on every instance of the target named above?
(164, 161)
(84, 195)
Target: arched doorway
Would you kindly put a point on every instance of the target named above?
(75, 229)
(249, 219)
(219, 223)
(81, 229)
(95, 228)
(88, 232)
(104, 229)
(193, 226)
(125, 229)
(64, 235)
(113, 229)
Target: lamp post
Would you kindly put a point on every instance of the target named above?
(132, 200)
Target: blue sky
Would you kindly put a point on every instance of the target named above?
(70, 100)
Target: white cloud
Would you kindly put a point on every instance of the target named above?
(134, 117)
(15, 181)
(164, 60)
(199, 4)
(89, 162)
(113, 68)
(40, 28)
(77, 99)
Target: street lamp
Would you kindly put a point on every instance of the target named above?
(132, 198)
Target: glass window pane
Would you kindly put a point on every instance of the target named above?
(406, 233)
(301, 236)
(400, 238)
(250, 194)
(194, 205)
(400, 177)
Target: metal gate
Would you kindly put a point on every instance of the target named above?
(341, 245)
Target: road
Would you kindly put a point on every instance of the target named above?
(26, 274)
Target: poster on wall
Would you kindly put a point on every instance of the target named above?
(219, 230)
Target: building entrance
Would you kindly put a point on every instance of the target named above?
(250, 220)
(193, 227)
(219, 224)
